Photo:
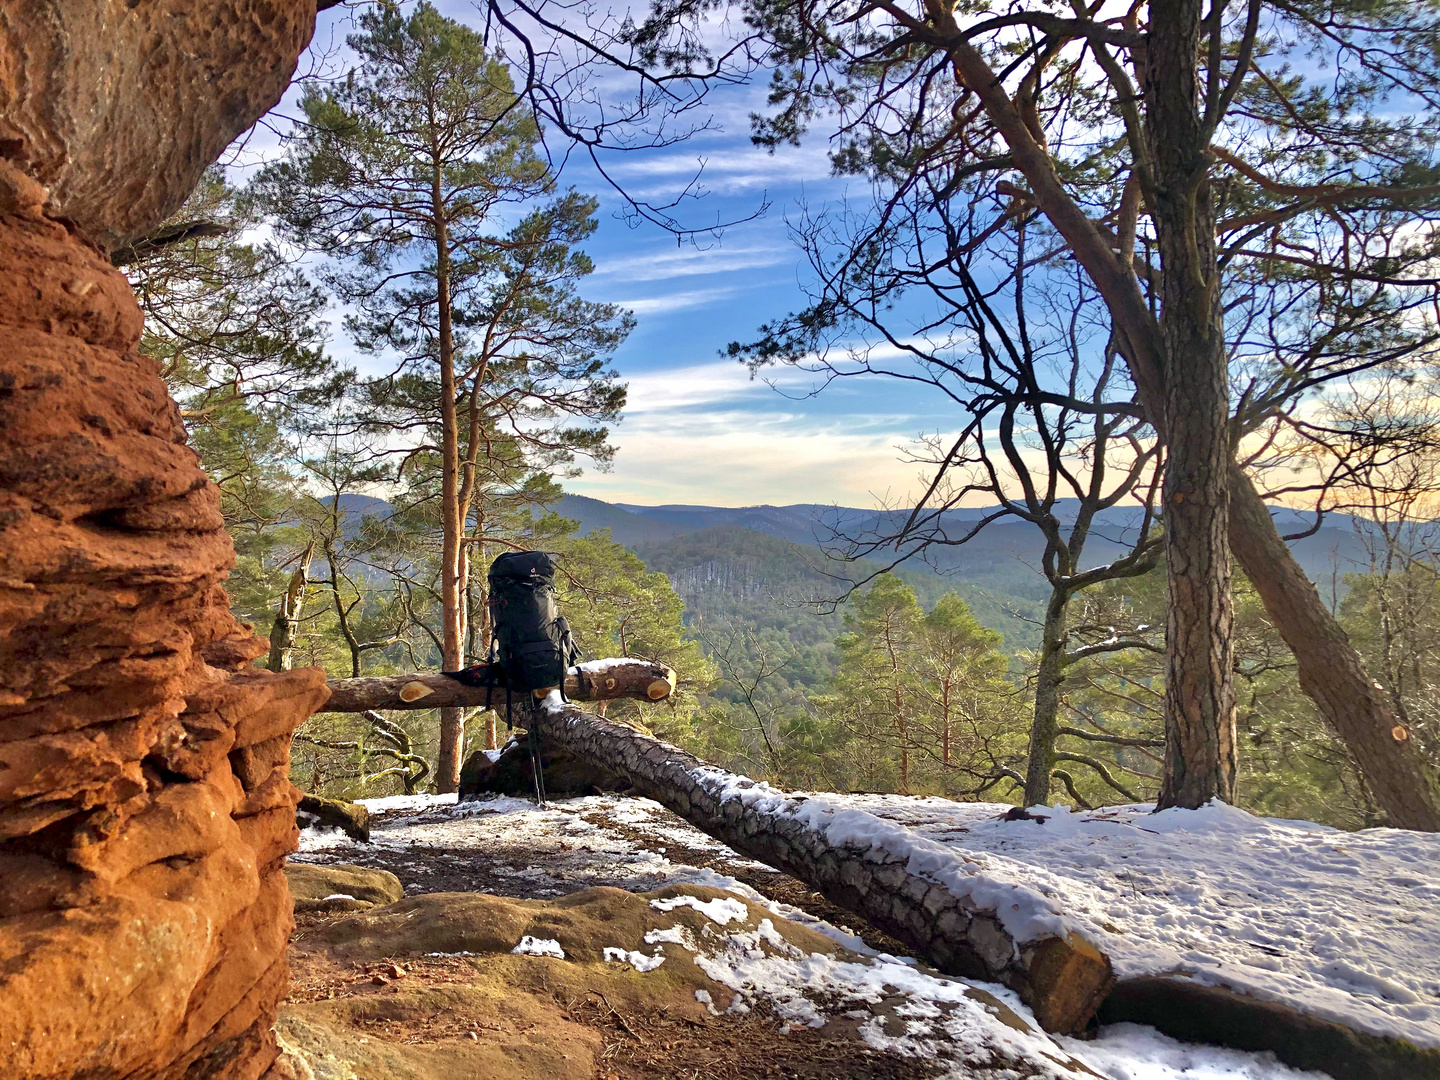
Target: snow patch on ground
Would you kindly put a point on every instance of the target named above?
(317, 836)
(1311, 916)
(533, 946)
(722, 911)
(1132, 1052)
(957, 1024)
(636, 959)
(408, 802)
(1344, 926)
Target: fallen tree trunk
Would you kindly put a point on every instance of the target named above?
(596, 680)
(1330, 670)
(918, 891)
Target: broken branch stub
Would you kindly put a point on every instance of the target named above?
(596, 680)
(930, 900)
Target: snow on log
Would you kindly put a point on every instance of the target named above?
(596, 680)
(919, 891)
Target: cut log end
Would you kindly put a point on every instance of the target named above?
(1067, 979)
(414, 691)
(660, 688)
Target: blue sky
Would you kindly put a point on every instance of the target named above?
(699, 429)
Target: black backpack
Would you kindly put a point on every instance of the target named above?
(531, 646)
(531, 641)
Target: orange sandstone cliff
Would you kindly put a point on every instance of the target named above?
(145, 809)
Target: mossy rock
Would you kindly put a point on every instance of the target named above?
(341, 887)
(316, 811)
(510, 774)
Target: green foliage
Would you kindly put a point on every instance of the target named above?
(617, 607)
(237, 331)
(1393, 617)
(1291, 763)
(922, 697)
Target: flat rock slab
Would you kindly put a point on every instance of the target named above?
(341, 887)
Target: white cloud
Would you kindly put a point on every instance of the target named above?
(708, 433)
(690, 261)
(678, 301)
(775, 464)
(671, 391)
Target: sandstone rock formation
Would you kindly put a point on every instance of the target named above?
(117, 106)
(145, 805)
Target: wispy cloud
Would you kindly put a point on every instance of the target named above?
(676, 390)
(676, 301)
(730, 169)
(691, 262)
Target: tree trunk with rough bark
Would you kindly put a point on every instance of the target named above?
(1063, 979)
(1330, 670)
(1045, 726)
(286, 627)
(452, 584)
(1199, 687)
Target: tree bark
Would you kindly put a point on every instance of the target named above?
(1332, 673)
(1330, 670)
(1062, 979)
(1199, 687)
(1045, 727)
(596, 680)
(452, 720)
(286, 627)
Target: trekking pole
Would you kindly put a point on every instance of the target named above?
(537, 770)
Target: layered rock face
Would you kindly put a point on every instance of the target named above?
(118, 106)
(145, 806)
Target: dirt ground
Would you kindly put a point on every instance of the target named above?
(629, 1045)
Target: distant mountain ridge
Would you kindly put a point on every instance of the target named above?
(1001, 555)
(764, 566)
(1330, 553)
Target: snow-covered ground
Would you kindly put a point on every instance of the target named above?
(1342, 925)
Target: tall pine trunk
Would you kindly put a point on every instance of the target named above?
(1199, 688)
(452, 577)
(1045, 727)
(1331, 671)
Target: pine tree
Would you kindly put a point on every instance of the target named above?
(398, 176)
